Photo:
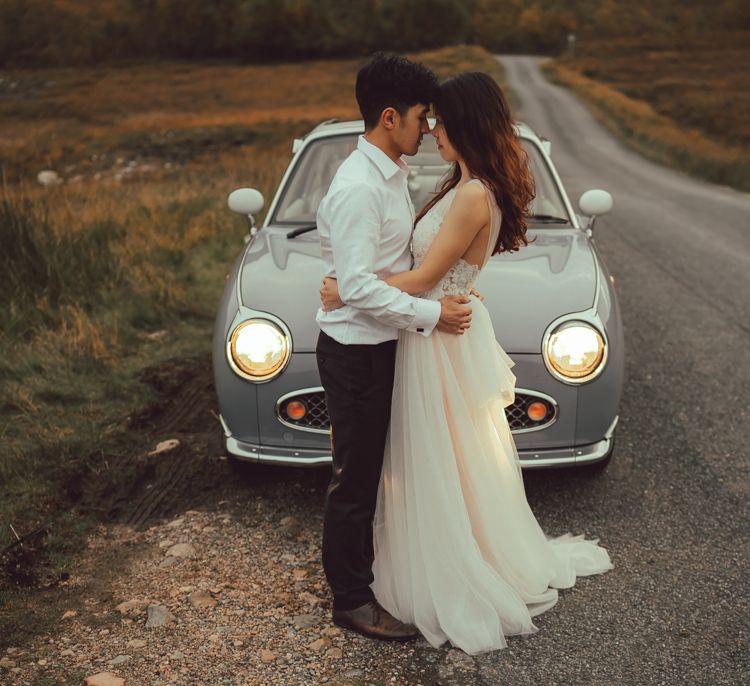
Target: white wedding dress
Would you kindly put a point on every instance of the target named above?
(458, 551)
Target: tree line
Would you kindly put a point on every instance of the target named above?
(53, 32)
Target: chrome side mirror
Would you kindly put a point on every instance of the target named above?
(247, 201)
(594, 203)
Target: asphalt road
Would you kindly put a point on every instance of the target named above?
(672, 507)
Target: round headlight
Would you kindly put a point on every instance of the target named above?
(575, 352)
(258, 350)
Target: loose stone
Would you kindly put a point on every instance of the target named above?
(104, 679)
(317, 646)
(181, 550)
(158, 615)
(201, 600)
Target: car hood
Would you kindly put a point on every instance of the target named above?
(524, 291)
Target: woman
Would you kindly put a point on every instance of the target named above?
(458, 551)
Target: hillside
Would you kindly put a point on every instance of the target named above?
(682, 102)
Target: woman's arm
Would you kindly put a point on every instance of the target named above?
(330, 300)
(467, 216)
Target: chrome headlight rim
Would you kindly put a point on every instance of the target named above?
(280, 328)
(559, 325)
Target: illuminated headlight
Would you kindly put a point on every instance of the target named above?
(258, 350)
(575, 352)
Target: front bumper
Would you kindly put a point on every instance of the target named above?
(530, 459)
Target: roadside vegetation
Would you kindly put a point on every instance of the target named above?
(78, 32)
(681, 101)
(113, 271)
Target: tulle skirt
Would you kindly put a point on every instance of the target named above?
(458, 551)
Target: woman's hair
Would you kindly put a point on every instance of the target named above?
(478, 122)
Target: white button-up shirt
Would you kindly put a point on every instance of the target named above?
(365, 223)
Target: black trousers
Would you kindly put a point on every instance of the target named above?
(358, 382)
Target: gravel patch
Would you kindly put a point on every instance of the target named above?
(244, 601)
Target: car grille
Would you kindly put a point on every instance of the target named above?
(316, 418)
(317, 412)
(519, 420)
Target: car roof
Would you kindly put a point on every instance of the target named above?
(333, 127)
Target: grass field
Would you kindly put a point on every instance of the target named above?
(119, 267)
(682, 101)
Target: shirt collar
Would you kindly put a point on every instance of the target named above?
(385, 164)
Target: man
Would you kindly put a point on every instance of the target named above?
(365, 223)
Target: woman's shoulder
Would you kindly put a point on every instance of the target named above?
(471, 198)
(474, 186)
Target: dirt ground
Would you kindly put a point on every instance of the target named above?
(232, 552)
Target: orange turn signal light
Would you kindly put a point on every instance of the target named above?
(536, 411)
(296, 410)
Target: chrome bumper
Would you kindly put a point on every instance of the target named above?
(565, 457)
(530, 459)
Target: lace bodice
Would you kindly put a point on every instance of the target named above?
(461, 276)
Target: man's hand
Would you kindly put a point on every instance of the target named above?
(329, 295)
(476, 294)
(455, 317)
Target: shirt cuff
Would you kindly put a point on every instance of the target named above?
(426, 317)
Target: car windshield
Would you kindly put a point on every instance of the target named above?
(313, 173)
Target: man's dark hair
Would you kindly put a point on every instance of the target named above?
(388, 80)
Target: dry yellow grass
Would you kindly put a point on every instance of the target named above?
(699, 80)
(60, 118)
(679, 99)
(121, 265)
(152, 151)
(131, 144)
(78, 336)
(657, 136)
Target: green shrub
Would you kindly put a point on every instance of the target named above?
(42, 269)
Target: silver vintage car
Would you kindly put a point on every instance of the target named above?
(552, 303)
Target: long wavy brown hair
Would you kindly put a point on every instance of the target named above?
(479, 125)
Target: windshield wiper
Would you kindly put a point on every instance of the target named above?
(302, 229)
(549, 218)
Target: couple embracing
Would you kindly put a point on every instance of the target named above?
(427, 528)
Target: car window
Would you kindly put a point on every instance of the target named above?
(547, 200)
(314, 171)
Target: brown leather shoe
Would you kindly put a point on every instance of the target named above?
(374, 621)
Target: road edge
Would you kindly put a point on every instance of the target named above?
(656, 137)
